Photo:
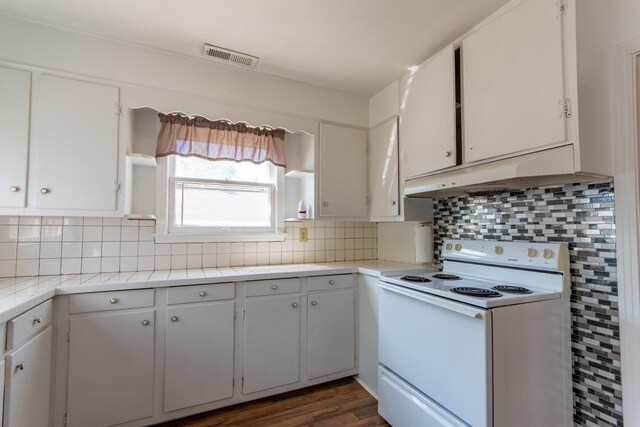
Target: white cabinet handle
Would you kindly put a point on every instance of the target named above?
(325, 203)
(145, 323)
(314, 302)
(274, 287)
(44, 190)
(113, 301)
(21, 366)
(37, 320)
(393, 202)
(203, 294)
(174, 318)
(447, 153)
(332, 282)
(294, 305)
(14, 189)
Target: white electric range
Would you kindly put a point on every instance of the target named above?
(485, 342)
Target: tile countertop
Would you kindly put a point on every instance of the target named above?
(18, 294)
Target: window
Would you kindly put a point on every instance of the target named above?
(221, 197)
(219, 181)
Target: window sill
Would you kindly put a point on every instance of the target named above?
(214, 238)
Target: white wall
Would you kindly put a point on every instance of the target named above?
(28, 43)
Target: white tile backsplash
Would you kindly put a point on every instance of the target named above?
(71, 245)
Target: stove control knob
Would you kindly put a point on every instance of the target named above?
(499, 250)
(547, 254)
(458, 247)
(531, 253)
(448, 246)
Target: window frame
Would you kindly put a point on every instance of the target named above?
(167, 233)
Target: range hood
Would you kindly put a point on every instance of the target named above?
(547, 167)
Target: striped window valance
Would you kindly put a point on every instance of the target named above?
(219, 140)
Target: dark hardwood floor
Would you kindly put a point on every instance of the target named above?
(338, 403)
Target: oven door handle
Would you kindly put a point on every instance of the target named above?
(437, 301)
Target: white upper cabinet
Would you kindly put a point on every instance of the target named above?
(15, 89)
(428, 116)
(383, 167)
(343, 172)
(513, 82)
(74, 146)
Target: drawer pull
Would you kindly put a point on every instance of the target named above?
(37, 320)
(294, 305)
(174, 318)
(21, 366)
(44, 190)
(274, 287)
(113, 301)
(314, 302)
(202, 293)
(14, 189)
(145, 323)
(332, 282)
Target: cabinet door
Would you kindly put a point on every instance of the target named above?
(331, 332)
(343, 171)
(271, 343)
(15, 90)
(428, 116)
(199, 355)
(28, 382)
(75, 135)
(513, 82)
(110, 369)
(383, 157)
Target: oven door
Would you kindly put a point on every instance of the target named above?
(440, 347)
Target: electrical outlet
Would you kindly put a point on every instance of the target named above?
(304, 236)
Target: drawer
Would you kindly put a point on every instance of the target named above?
(118, 300)
(29, 323)
(200, 293)
(323, 283)
(271, 287)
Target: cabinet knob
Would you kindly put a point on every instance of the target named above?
(113, 301)
(202, 294)
(14, 189)
(145, 323)
(393, 202)
(294, 305)
(37, 320)
(325, 203)
(173, 318)
(20, 366)
(44, 190)
(447, 153)
(332, 282)
(274, 287)
(314, 302)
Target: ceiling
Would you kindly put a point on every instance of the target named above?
(354, 46)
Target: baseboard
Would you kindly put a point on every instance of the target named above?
(366, 387)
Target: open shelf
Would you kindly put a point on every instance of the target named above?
(138, 159)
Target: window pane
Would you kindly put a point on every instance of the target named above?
(194, 167)
(222, 205)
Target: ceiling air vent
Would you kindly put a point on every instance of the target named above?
(227, 56)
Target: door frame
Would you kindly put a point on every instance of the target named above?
(625, 61)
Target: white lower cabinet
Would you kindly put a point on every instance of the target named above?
(331, 332)
(110, 368)
(28, 383)
(198, 354)
(271, 342)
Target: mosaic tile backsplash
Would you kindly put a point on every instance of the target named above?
(583, 216)
(31, 246)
